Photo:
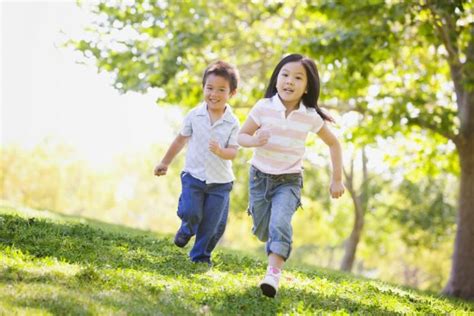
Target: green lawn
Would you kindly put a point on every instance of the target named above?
(52, 264)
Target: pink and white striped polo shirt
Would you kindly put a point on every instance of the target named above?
(286, 147)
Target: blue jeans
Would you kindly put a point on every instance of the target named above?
(203, 210)
(273, 199)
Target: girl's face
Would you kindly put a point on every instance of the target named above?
(291, 83)
(217, 92)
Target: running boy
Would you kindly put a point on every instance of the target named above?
(211, 131)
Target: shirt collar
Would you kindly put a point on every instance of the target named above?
(202, 111)
(281, 107)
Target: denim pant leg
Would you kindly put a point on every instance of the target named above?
(191, 204)
(259, 204)
(216, 200)
(220, 229)
(285, 201)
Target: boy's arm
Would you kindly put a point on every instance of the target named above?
(337, 187)
(174, 149)
(227, 153)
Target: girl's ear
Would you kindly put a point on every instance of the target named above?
(232, 93)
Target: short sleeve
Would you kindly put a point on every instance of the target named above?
(256, 113)
(318, 123)
(187, 129)
(233, 135)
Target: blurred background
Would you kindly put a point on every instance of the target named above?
(92, 94)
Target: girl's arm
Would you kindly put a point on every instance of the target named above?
(174, 149)
(247, 138)
(227, 153)
(337, 187)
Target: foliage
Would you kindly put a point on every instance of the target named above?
(168, 45)
(426, 217)
(67, 265)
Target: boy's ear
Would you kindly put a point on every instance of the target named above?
(232, 93)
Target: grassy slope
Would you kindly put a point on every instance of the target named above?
(52, 264)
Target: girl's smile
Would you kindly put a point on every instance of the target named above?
(291, 83)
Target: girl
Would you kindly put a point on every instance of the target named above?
(277, 127)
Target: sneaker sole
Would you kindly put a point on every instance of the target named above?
(268, 290)
(180, 245)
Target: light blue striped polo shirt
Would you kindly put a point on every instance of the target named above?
(201, 163)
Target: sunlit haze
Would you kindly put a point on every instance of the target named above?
(46, 93)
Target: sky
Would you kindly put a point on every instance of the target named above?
(45, 92)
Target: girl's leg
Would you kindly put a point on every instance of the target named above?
(269, 284)
(285, 200)
(276, 261)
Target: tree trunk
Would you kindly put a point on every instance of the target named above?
(353, 240)
(461, 281)
(360, 201)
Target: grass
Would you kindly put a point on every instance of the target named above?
(52, 264)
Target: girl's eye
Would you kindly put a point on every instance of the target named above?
(299, 78)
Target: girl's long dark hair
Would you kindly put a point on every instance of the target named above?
(310, 99)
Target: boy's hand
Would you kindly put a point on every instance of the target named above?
(214, 147)
(261, 137)
(161, 169)
(336, 189)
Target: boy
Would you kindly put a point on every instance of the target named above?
(211, 130)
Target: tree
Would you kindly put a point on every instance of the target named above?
(407, 53)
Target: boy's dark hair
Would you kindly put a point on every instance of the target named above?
(225, 70)
(310, 98)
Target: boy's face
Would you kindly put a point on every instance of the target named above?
(217, 92)
(291, 83)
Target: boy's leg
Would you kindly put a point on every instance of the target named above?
(215, 202)
(190, 208)
(220, 229)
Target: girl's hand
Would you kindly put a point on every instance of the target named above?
(261, 137)
(336, 189)
(214, 147)
(161, 169)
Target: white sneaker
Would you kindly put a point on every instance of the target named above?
(269, 284)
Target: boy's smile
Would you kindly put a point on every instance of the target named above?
(217, 92)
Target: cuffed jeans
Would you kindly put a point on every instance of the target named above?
(273, 199)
